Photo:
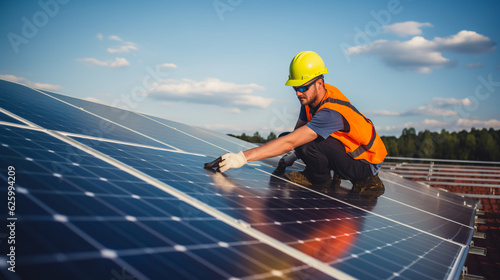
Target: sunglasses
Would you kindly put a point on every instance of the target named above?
(306, 87)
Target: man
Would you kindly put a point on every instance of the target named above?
(330, 134)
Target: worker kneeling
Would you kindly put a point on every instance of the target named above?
(330, 134)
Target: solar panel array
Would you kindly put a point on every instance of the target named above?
(453, 173)
(106, 193)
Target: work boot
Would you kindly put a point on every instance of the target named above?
(298, 177)
(371, 186)
(324, 188)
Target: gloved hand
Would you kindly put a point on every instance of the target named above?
(231, 160)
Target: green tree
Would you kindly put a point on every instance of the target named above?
(271, 136)
(470, 147)
(486, 146)
(426, 145)
(391, 145)
(244, 137)
(406, 143)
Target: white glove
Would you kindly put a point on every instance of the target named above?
(231, 160)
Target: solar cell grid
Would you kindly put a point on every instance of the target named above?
(7, 118)
(68, 225)
(168, 131)
(306, 220)
(185, 137)
(122, 226)
(55, 115)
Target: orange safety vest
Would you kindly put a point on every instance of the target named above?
(361, 141)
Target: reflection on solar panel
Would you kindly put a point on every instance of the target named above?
(135, 203)
(6, 118)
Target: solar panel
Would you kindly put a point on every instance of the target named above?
(97, 216)
(137, 202)
(6, 118)
(172, 132)
(181, 136)
(309, 221)
(49, 113)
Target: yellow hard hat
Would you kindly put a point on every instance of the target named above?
(304, 67)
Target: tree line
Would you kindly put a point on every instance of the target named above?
(483, 144)
(256, 138)
(477, 144)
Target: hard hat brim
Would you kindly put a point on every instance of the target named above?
(299, 82)
(295, 83)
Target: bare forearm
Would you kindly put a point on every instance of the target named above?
(270, 149)
(281, 145)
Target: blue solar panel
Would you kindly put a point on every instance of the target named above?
(77, 211)
(342, 229)
(184, 137)
(187, 138)
(95, 221)
(55, 115)
(6, 118)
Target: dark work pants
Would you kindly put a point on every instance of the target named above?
(322, 155)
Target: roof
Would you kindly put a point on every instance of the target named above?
(102, 193)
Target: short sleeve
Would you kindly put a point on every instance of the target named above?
(326, 122)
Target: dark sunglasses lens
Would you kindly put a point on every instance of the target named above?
(305, 88)
(300, 89)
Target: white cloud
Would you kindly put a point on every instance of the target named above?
(13, 78)
(441, 102)
(435, 125)
(234, 129)
(119, 62)
(99, 36)
(115, 38)
(47, 86)
(168, 65)
(382, 113)
(438, 106)
(405, 29)
(25, 81)
(235, 110)
(467, 123)
(421, 55)
(474, 65)
(122, 49)
(95, 100)
(430, 111)
(466, 42)
(417, 54)
(211, 91)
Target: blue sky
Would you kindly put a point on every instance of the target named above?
(222, 64)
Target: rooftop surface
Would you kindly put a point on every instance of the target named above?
(102, 192)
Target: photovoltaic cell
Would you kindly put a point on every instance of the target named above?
(81, 218)
(187, 138)
(55, 115)
(6, 118)
(342, 229)
(184, 137)
(77, 212)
